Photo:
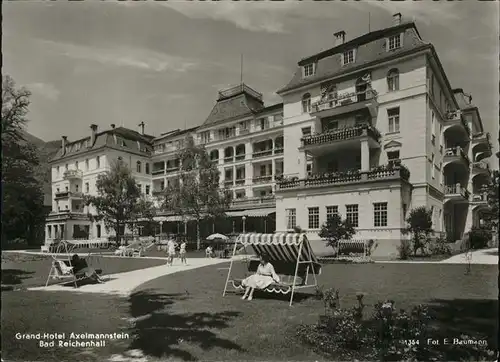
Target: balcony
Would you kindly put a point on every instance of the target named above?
(73, 175)
(481, 167)
(381, 173)
(278, 151)
(67, 195)
(228, 183)
(480, 198)
(240, 181)
(262, 179)
(346, 103)
(454, 119)
(172, 169)
(266, 201)
(157, 172)
(239, 157)
(455, 154)
(456, 193)
(263, 153)
(341, 135)
(481, 144)
(67, 214)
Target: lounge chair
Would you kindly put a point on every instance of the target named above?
(291, 256)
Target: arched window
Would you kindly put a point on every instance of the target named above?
(306, 103)
(393, 80)
(138, 166)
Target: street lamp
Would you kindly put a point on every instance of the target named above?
(244, 218)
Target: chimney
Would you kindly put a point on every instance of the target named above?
(339, 37)
(141, 127)
(63, 144)
(113, 126)
(93, 127)
(396, 19)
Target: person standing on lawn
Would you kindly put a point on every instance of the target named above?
(182, 252)
(171, 251)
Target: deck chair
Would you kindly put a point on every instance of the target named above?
(134, 249)
(292, 258)
(60, 270)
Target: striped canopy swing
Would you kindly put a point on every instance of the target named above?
(291, 256)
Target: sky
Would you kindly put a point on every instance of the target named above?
(163, 62)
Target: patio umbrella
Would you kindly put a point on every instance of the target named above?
(217, 237)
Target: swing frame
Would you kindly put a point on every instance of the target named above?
(291, 248)
(67, 248)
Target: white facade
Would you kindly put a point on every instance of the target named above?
(336, 144)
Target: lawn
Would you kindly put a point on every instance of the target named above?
(24, 271)
(184, 316)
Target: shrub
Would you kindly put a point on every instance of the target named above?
(404, 249)
(420, 227)
(336, 229)
(440, 247)
(479, 238)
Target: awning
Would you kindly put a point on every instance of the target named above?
(251, 212)
(171, 218)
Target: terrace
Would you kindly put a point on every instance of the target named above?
(341, 135)
(381, 173)
(346, 103)
(456, 193)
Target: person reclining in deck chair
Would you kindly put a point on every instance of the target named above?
(264, 277)
(81, 268)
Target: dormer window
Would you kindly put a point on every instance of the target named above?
(309, 70)
(348, 57)
(394, 42)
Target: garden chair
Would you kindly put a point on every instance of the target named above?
(292, 258)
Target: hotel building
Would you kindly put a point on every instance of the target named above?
(368, 129)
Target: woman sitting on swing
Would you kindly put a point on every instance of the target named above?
(81, 268)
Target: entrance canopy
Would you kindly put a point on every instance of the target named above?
(251, 212)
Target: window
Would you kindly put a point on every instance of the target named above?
(49, 231)
(86, 165)
(76, 165)
(313, 218)
(205, 137)
(147, 169)
(291, 219)
(66, 188)
(441, 173)
(58, 170)
(98, 231)
(331, 210)
(393, 115)
(332, 126)
(138, 166)
(306, 131)
(308, 70)
(393, 80)
(66, 167)
(57, 190)
(98, 162)
(432, 84)
(393, 158)
(147, 189)
(433, 168)
(352, 215)
(433, 127)
(380, 214)
(87, 187)
(76, 188)
(348, 57)
(309, 169)
(394, 42)
(306, 103)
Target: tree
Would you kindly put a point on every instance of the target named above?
(23, 214)
(491, 191)
(336, 229)
(119, 200)
(420, 226)
(197, 194)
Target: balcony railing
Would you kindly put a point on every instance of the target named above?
(157, 172)
(250, 201)
(228, 159)
(73, 174)
(262, 179)
(278, 150)
(340, 178)
(228, 182)
(456, 152)
(67, 194)
(480, 197)
(343, 100)
(481, 166)
(456, 190)
(240, 181)
(238, 89)
(172, 169)
(341, 135)
(457, 115)
(483, 135)
(240, 157)
(263, 153)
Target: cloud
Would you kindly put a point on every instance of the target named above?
(124, 57)
(46, 90)
(259, 17)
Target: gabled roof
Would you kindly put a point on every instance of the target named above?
(370, 48)
(121, 138)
